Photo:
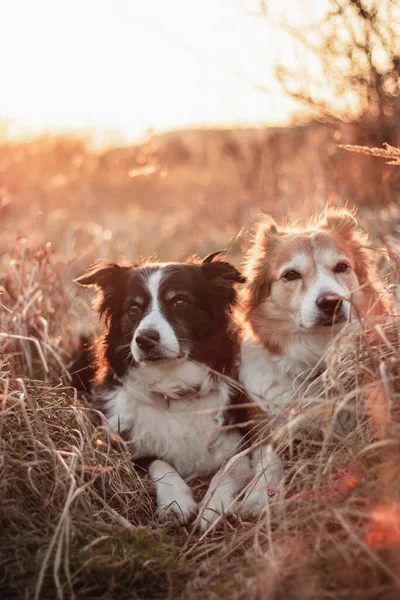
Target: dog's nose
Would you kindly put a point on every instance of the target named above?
(330, 304)
(147, 339)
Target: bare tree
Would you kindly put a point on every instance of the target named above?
(349, 66)
(345, 69)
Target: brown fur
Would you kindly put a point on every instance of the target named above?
(273, 246)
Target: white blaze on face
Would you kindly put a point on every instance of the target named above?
(318, 279)
(155, 320)
(324, 283)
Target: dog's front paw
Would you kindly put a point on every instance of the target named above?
(176, 501)
(266, 487)
(255, 501)
(215, 503)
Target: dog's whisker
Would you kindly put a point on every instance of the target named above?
(122, 347)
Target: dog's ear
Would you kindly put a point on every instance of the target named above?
(220, 271)
(258, 282)
(267, 230)
(342, 222)
(339, 220)
(222, 276)
(108, 279)
(101, 274)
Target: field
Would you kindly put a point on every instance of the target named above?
(76, 519)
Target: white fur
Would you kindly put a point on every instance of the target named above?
(324, 284)
(173, 494)
(156, 321)
(272, 380)
(221, 494)
(187, 432)
(266, 484)
(317, 269)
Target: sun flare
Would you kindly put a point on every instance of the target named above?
(124, 67)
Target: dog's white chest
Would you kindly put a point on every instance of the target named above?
(185, 432)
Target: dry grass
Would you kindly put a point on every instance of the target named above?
(194, 189)
(391, 153)
(78, 521)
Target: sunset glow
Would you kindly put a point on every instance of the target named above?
(123, 67)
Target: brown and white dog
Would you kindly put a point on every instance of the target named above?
(303, 285)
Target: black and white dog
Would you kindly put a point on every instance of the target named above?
(162, 376)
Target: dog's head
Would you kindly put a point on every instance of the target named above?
(303, 280)
(157, 313)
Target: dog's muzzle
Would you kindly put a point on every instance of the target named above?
(148, 342)
(331, 311)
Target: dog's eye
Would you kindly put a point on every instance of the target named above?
(179, 302)
(341, 267)
(291, 275)
(134, 309)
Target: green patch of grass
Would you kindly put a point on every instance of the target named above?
(129, 565)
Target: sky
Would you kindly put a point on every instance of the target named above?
(120, 68)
